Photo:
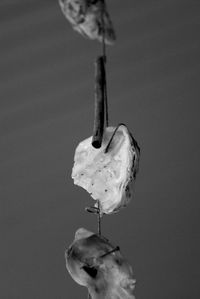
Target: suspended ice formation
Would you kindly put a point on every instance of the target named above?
(86, 18)
(108, 173)
(96, 264)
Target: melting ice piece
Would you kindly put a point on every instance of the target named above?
(86, 18)
(95, 263)
(108, 176)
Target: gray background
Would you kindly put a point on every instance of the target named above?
(46, 108)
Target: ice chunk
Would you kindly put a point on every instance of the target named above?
(95, 263)
(86, 18)
(108, 175)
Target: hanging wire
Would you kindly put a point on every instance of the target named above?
(113, 135)
(105, 96)
(105, 58)
(100, 87)
(97, 210)
(99, 217)
(103, 29)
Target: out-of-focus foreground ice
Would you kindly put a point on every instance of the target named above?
(95, 263)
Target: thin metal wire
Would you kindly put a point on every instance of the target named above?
(110, 252)
(99, 218)
(105, 94)
(103, 28)
(111, 139)
(105, 59)
(98, 209)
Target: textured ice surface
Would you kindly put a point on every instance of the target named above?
(85, 17)
(108, 176)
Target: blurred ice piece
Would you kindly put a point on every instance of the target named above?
(86, 18)
(94, 263)
(108, 176)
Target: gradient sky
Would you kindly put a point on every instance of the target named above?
(46, 108)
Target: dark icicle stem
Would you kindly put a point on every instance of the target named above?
(99, 102)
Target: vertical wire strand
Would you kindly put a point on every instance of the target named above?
(99, 218)
(103, 29)
(106, 104)
(105, 95)
(105, 59)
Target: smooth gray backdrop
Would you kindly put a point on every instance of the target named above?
(46, 108)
